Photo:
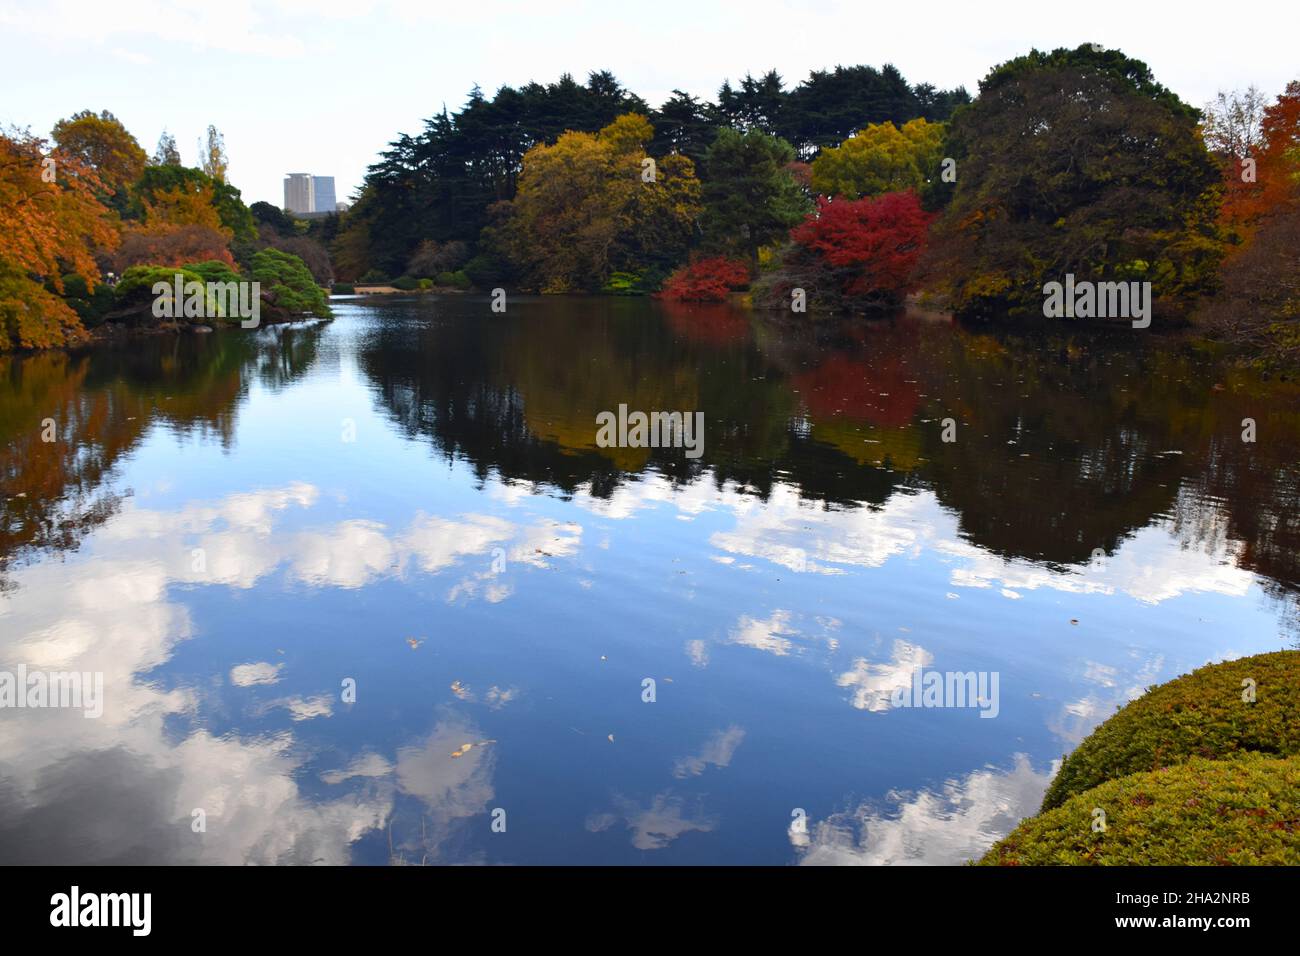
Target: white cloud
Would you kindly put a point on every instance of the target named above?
(874, 684)
(956, 824)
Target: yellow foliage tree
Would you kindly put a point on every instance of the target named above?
(183, 205)
(590, 204)
(881, 158)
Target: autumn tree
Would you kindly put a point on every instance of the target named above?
(101, 143)
(49, 225)
(710, 279)
(1231, 125)
(852, 254)
(1259, 304)
(214, 157)
(1077, 161)
(881, 158)
(177, 191)
(172, 245)
(590, 205)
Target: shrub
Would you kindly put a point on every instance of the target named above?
(1238, 811)
(624, 283)
(706, 280)
(287, 284)
(373, 277)
(91, 307)
(343, 288)
(405, 283)
(454, 280)
(1201, 714)
(213, 271)
(134, 293)
(144, 277)
(487, 270)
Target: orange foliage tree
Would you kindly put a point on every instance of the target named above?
(50, 220)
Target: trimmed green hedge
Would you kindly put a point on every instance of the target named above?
(1245, 810)
(1201, 714)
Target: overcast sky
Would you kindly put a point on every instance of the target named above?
(321, 86)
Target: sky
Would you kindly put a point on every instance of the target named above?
(321, 86)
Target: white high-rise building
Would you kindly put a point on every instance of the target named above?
(299, 194)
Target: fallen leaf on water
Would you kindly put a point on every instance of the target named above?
(611, 738)
(414, 643)
(460, 690)
(466, 748)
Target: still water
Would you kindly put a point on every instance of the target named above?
(313, 563)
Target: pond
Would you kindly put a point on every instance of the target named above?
(371, 591)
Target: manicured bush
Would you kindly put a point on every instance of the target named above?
(288, 284)
(343, 288)
(1201, 714)
(137, 278)
(706, 280)
(213, 271)
(1202, 812)
(406, 283)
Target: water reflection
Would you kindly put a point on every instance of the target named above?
(486, 576)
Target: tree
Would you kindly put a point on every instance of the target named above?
(48, 229)
(287, 284)
(706, 280)
(853, 254)
(881, 158)
(166, 154)
(750, 197)
(585, 209)
(757, 105)
(1076, 162)
(182, 205)
(684, 125)
(273, 218)
(1232, 122)
(180, 181)
(214, 161)
(103, 144)
(829, 106)
(433, 258)
(171, 245)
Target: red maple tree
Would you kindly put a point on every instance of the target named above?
(706, 280)
(873, 243)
